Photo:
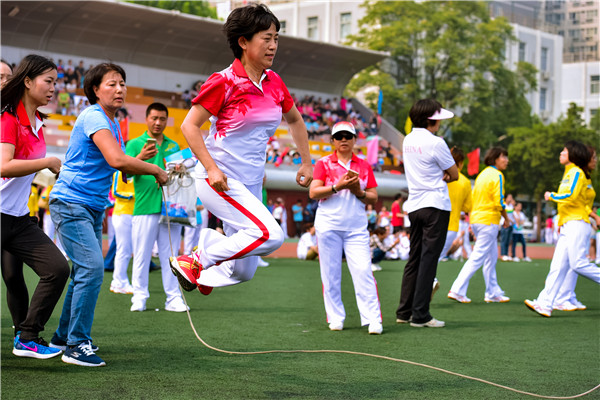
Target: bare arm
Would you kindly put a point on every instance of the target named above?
(300, 137)
(191, 128)
(451, 174)
(115, 157)
(12, 168)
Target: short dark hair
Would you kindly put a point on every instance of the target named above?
(421, 111)
(245, 22)
(492, 155)
(458, 154)
(579, 155)
(380, 230)
(93, 78)
(30, 67)
(157, 107)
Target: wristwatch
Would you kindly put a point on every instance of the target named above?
(363, 195)
(333, 189)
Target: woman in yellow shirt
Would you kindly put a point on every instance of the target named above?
(573, 220)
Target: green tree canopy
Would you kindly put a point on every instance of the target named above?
(199, 8)
(451, 51)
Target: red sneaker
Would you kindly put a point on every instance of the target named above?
(205, 290)
(187, 271)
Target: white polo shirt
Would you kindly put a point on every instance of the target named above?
(426, 157)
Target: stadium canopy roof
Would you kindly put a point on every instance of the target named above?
(126, 32)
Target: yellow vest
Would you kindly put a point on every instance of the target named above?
(571, 197)
(488, 197)
(124, 194)
(460, 198)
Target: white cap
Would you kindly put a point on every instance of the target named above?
(442, 114)
(343, 126)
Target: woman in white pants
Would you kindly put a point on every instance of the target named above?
(343, 184)
(488, 206)
(570, 254)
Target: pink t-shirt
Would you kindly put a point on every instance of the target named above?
(342, 211)
(16, 130)
(244, 116)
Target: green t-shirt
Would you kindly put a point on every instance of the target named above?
(148, 196)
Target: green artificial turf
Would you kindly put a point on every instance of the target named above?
(155, 355)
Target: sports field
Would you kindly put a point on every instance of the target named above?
(155, 355)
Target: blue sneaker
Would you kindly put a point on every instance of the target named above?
(83, 355)
(60, 344)
(37, 348)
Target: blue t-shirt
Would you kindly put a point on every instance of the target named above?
(85, 177)
(297, 210)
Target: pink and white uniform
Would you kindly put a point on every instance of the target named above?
(244, 116)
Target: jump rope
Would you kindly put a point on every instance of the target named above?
(182, 177)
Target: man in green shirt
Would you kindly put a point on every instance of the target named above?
(153, 146)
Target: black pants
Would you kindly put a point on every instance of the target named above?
(24, 242)
(428, 227)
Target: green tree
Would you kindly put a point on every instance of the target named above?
(533, 153)
(199, 8)
(451, 51)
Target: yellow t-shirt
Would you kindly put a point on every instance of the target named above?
(488, 197)
(123, 193)
(460, 198)
(571, 197)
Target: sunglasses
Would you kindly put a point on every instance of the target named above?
(343, 135)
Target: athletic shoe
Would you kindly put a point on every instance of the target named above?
(458, 297)
(262, 263)
(506, 258)
(497, 299)
(444, 259)
(566, 306)
(375, 267)
(535, 307)
(83, 355)
(60, 344)
(336, 326)
(580, 306)
(403, 321)
(36, 348)
(375, 328)
(432, 323)
(516, 259)
(138, 305)
(176, 305)
(187, 271)
(128, 289)
(436, 286)
(527, 259)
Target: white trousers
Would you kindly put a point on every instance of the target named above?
(570, 253)
(250, 228)
(485, 253)
(597, 247)
(144, 232)
(450, 236)
(358, 256)
(122, 226)
(190, 238)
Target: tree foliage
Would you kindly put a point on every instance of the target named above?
(451, 51)
(199, 8)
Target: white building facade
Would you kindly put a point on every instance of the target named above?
(581, 85)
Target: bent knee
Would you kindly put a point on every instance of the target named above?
(275, 239)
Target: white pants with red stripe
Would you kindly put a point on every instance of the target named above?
(570, 254)
(250, 228)
(144, 232)
(355, 245)
(122, 225)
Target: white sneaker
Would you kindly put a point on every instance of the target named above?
(506, 258)
(497, 299)
(375, 328)
(566, 306)
(432, 323)
(176, 305)
(580, 306)
(375, 267)
(527, 259)
(127, 289)
(436, 286)
(138, 305)
(516, 259)
(458, 297)
(262, 263)
(336, 326)
(535, 307)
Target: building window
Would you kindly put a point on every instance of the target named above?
(521, 51)
(313, 28)
(595, 84)
(544, 61)
(283, 26)
(345, 25)
(543, 93)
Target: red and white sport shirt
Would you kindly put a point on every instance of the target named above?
(244, 116)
